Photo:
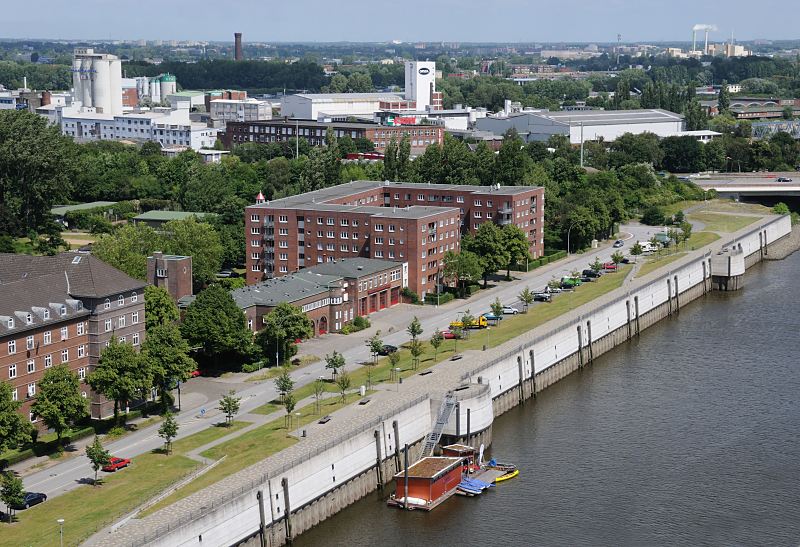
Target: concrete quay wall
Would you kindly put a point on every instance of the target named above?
(326, 472)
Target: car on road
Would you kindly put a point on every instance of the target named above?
(115, 464)
(783, 179)
(618, 243)
(510, 310)
(447, 335)
(31, 499)
(387, 349)
(542, 297)
(610, 266)
(195, 373)
(591, 273)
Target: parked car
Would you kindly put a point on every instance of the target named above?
(195, 373)
(610, 266)
(618, 243)
(587, 279)
(568, 282)
(542, 297)
(549, 289)
(477, 323)
(783, 179)
(491, 316)
(510, 310)
(387, 349)
(116, 463)
(591, 273)
(31, 499)
(447, 335)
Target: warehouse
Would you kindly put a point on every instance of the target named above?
(584, 125)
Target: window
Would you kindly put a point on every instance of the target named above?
(255, 230)
(28, 318)
(343, 248)
(420, 197)
(344, 222)
(355, 248)
(330, 221)
(64, 333)
(459, 199)
(489, 203)
(31, 366)
(48, 360)
(108, 325)
(160, 272)
(107, 303)
(135, 318)
(121, 321)
(379, 227)
(284, 269)
(12, 347)
(378, 254)
(82, 373)
(319, 220)
(391, 227)
(477, 203)
(331, 234)
(64, 355)
(343, 235)
(283, 218)
(12, 371)
(29, 342)
(120, 300)
(123, 339)
(10, 323)
(31, 393)
(378, 241)
(14, 396)
(284, 256)
(478, 214)
(254, 243)
(135, 338)
(134, 296)
(283, 231)
(330, 247)
(46, 312)
(253, 218)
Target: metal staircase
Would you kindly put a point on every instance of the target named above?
(448, 404)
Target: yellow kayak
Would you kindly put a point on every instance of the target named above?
(507, 476)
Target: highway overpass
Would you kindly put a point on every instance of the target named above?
(755, 185)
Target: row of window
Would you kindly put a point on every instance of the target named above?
(62, 312)
(122, 321)
(47, 338)
(317, 304)
(30, 365)
(121, 300)
(378, 280)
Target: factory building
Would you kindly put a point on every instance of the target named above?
(584, 125)
(97, 81)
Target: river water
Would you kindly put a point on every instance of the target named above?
(689, 435)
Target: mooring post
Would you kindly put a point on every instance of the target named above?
(469, 423)
(521, 380)
(580, 347)
(262, 530)
(677, 295)
(405, 477)
(379, 459)
(636, 308)
(458, 420)
(287, 509)
(669, 295)
(589, 336)
(396, 446)
(628, 312)
(533, 372)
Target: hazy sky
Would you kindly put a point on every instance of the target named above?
(407, 20)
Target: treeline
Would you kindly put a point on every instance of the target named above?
(47, 77)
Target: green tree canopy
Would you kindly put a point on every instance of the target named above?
(59, 402)
(122, 374)
(167, 353)
(489, 246)
(283, 325)
(15, 430)
(159, 308)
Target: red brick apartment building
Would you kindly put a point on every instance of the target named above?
(63, 309)
(395, 221)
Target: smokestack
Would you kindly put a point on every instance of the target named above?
(694, 40)
(237, 39)
(705, 47)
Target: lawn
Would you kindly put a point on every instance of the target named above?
(272, 372)
(252, 447)
(658, 262)
(720, 222)
(87, 509)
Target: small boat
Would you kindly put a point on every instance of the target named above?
(509, 475)
(509, 470)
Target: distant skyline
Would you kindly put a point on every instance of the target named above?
(405, 20)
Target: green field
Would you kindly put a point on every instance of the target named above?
(720, 222)
(87, 509)
(652, 265)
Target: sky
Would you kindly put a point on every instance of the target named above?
(405, 20)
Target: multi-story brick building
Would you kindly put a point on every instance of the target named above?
(172, 273)
(397, 221)
(63, 309)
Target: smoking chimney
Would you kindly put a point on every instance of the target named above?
(237, 38)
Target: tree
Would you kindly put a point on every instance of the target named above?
(417, 349)
(516, 245)
(282, 326)
(216, 325)
(189, 237)
(14, 429)
(679, 217)
(58, 399)
(36, 171)
(597, 265)
(334, 362)
(229, 404)
(319, 389)
(375, 345)
(467, 319)
(394, 360)
(284, 383)
(496, 307)
(682, 154)
(159, 308)
(12, 492)
(724, 98)
(98, 456)
(436, 341)
(488, 245)
(167, 352)
(127, 248)
(343, 383)
(414, 328)
(289, 404)
(168, 431)
(526, 297)
(617, 257)
(653, 216)
(121, 375)
(636, 249)
(461, 268)
(780, 208)
(686, 231)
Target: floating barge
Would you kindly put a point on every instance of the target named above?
(428, 483)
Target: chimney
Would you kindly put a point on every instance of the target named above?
(237, 39)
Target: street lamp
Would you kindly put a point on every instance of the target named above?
(568, 232)
(61, 531)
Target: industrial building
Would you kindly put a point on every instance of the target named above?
(396, 221)
(584, 125)
(241, 110)
(97, 81)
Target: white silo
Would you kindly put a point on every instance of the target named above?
(97, 79)
(86, 81)
(77, 84)
(155, 90)
(101, 78)
(115, 85)
(168, 85)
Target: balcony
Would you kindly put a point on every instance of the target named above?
(505, 210)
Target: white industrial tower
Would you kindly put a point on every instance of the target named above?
(97, 80)
(420, 82)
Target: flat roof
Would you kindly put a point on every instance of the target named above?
(349, 97)
(608, 117)
(354, 267)
(62, 210)
(319, 200)
(430, 467)
(169, 215)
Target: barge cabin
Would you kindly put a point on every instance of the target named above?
(431, 481)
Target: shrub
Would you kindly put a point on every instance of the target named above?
(361, 322)
(472, 289)
(443, 298)
(253, 367)
(410, 295)
(653, 216)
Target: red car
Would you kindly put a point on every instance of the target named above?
(116, 463)
(609, 266)
(195, 373)
(448, 335)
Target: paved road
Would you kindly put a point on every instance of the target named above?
(203, 393)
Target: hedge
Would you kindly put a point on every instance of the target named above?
(44, 448)
(442, 298)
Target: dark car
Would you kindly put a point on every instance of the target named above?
(783, 179)
(587, 279)
(387, 349)
(31, 499)
(542, 297)
(116, 463)
(591, 273)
